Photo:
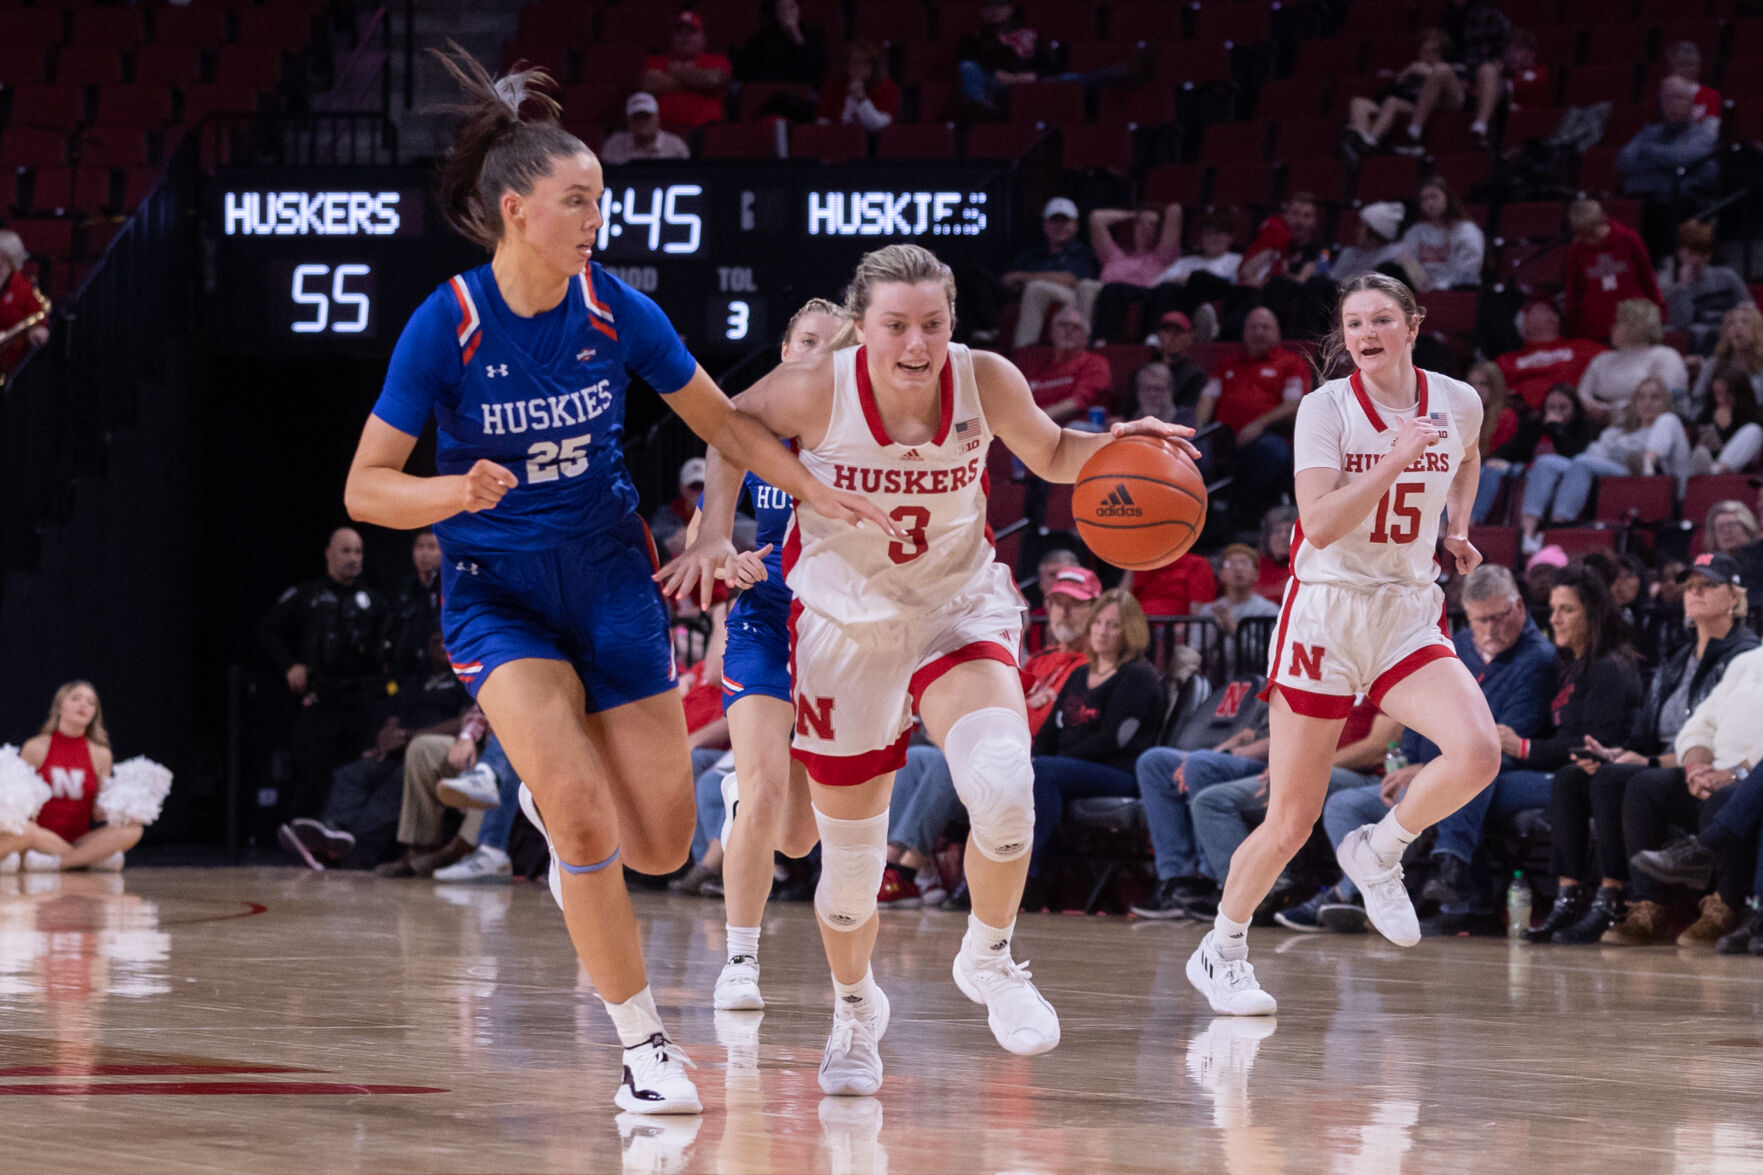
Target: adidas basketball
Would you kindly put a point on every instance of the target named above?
(1139, 503)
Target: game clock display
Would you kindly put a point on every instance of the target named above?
(307, 260)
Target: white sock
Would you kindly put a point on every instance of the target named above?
(743, 941)
(983, 942)
(1478, 127)
(636, 1019)
(1388, 838)
(928, 877)
(853, 999)
(1230, 939)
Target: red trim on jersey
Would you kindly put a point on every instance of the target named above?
(470, 330)
(872, 413)
(985, 509)
(1405, 668)
(792, 545)
(1370, 406)
(851, 770)
(649, 541)
(599, 314)
(977, 651)
(1279, 639)
(1311, 704)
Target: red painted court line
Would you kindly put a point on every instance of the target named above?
(211, 1089)
(141, 1070)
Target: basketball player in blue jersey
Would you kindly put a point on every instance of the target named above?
(549, 614)
(775, 813)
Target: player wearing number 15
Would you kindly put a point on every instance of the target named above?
(885, 623)
(549, 614)
(1379, 457)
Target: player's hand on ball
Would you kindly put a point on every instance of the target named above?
(1414, 436)
(1468, 558)
(1150, 426)
(483, 485)
(746, 568)
(698, 566)
(845, 506)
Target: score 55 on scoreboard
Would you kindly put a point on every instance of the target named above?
(339, 258)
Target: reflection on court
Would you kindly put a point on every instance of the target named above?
(234, 1020)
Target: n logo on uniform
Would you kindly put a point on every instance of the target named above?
(1235, 694)
(814, 716)
(1306, 661)
(67, 783)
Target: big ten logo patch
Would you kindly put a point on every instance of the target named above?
(814, 716)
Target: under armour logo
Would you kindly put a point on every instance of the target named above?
(492, 370)
(464, 566)
(585, 355)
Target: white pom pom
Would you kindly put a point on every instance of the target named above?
(22, 792)
(134, 792)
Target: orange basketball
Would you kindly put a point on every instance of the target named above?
(1139, 503)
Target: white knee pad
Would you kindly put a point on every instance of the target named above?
(988, 753)
(853, 854)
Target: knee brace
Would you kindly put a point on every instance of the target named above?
(853, 854)
(988, 753)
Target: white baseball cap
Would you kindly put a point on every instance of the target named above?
(1383, 218)
(692, 472)
(1059, 206)
(641, 102)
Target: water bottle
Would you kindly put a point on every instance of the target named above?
(1517, 905)
(1099, 418)
(1393, 758)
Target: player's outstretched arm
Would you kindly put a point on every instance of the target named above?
(380, 492)
(710, 538)
(1331, 506)
(1052, 453)
(748, 439)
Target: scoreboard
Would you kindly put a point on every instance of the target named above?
(307, 260)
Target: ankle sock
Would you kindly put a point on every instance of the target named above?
(983, 942)
(1389, 839)
(742, 941)
(854, 999)
(1230, 938)
(636, 1019)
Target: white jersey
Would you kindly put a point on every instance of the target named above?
(1340, 427)
(935, 492)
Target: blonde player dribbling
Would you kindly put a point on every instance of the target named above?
(1379, 457)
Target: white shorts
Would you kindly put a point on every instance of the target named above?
(1333, 643)
(856, 687)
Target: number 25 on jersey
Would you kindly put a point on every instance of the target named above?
(547, 460)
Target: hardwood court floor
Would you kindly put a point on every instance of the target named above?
(244, 1021)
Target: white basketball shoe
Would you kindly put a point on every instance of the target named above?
(1019, 1015)
(553, 875)
(1229, 985)
(1386, 899)
(737, 988)
(655, 1080)
(851, 1065)
(731, 795)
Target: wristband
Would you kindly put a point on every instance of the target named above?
(1524, 748)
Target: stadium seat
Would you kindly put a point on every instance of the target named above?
(1004, 503)
(1107, 147)
(1462, 170)
(1581, 540)
(1195, 63)
(1058, 516)
(1151, 104)
(1247, 182)
(926, 141)
(1059, 20)
(273, 26)
(891, 24)
(1229, 143)
(1601, 83)
(1319, 61)
(168, 65)
(108, 28)
(1497, 544)
(1238, 24)
(1387, 177)
(830, 143)
(1597, 171)
(932, 101)
(1703, 492)
(45, 236)
(927, 61)
(1306, 138)
(1090, 56)
(58, 108)
(1747, 43)
(744, 140)
(1614, 43)
(50, 192)
(254, 65)
(1174, 183)
(639, 24)
(1290, 98)
(728, 25)
(1050, 104)
(1637, 499)
(41, 26)
(31, 147)
(24, 64)
(203, 101)
(1530, 122)
(1147, 20)
(194, 26)
(755, 96)
(93, 190)
(1326, 179)
(137, 184)
(1533, 220)
(89, 65)
(1002, 141)
(1124, 361)
(1377, 18)
(1449, 311)
(148, 107)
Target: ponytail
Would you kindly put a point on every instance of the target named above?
(496, 150)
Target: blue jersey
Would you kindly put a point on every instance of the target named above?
(773, 508)
(542, 396)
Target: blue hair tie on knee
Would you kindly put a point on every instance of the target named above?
(594, 868)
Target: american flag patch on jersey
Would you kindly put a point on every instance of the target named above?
(967, 428)
(1438, 421)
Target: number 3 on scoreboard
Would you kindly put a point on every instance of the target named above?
(1407, 515)
(547, 461)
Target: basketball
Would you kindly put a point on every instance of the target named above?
(1139, 503)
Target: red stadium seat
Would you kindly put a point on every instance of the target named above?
(756, 95)
(1637, 499)
(891, 24)
(108, 28)
(1581, 540)
(1152, 104)
(1335, 57)
(30, 147)
(59, 108)
(1239, 24)
(1378, 18)
(1290, 98)
(1051, 104)
(1747, 42)
(1148, 21)
(1601, 83)
(24, 64)
(276, 27)
(744, 140)
(203, 101)
(1106, 147)
(1059, 20)
(1306, 138)
(932, 101)
(1000, 141)
(642, 24)
(1703, 492)
(45, 237)
(1497, 544)
(113, 146)
(196, 26)
(1173, 183)
(1089, 56)
(927, 141)
(93, 190)
(1597, 171)
(1389, 55)
(1388, 177)
(51, 191)
(1699, 31)
(1449, 311)
(728, 25)
(830, 143)
(1533, 220)
(1195, 64)
(1531, 122)
(144, 106)
(1059, 508)
(1462, 170)
(137, 184)
(1229, 143)
(168, 65)
(1326, 179)
(89, 65)
(256, 65)
(1124, 361)
(1004, 503)
(39, 27)
(1246, 182)
(1613, 42)
(931, 61)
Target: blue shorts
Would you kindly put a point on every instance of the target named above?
(756, 661)
(589, 602)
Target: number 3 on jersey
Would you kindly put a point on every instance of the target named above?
(547, 461)
(1407, 517)
(913, 519)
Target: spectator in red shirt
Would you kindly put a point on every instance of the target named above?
(1606, 264)
(1546, 359)
(18, 301)
(1276, 552)
(1253, 395)
(1069, 600)
(862, 94)
(1684, 60)
(1283, 266)
(1175, 588)
(1071, 380)
(689, 83)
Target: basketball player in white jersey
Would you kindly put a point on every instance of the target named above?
(1378, 458)
(923, 618)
